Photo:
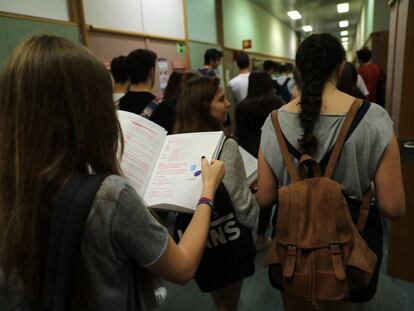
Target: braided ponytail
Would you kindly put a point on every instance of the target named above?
(316, 59)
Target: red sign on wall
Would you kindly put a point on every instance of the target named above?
(247, 44)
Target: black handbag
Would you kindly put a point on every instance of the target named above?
(230, 251)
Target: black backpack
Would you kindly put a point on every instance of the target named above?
(70, 210)
(283, 90)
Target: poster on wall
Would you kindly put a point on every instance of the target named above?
(163, 67)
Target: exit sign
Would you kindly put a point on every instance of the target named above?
(247, 44)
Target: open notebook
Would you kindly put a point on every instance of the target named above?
(165, 170)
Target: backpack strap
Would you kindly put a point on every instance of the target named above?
(324, 162)
(70, 210)
(290, 165)
(149, 109)
(364, 210)
(336, 152)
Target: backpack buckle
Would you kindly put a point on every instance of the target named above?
(335, 248)
(291, 249)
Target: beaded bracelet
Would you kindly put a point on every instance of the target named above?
(206, 201)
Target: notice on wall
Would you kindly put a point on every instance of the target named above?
(163, 67)
(247, 44)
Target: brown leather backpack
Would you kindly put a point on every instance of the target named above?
(317, 252)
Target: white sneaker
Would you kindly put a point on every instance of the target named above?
(160, 294)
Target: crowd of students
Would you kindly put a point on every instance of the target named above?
(58, 120)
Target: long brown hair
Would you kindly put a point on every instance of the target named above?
(193, 109)
(56, 119)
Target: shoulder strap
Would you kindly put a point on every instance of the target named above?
(292, 170)
(149, 109)
(324, 162)
(70, 210)
(336, 152)
(286, 81)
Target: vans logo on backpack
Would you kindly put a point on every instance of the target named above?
(317, 252)
(222, 231)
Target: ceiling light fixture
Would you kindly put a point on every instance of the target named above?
(294, 15)
(342, 7)
(307, 28)
(343, 24)
(344, 32)
(344, 39)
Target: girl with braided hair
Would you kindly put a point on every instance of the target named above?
(310, 125)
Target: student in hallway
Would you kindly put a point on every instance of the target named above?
(370, 73)
(212, 60)
(239, 84)
(166, 111)
(120, 77)
(141, 72)
(348, 81)
(164, 115)
(285, 82)
(139, 99)
(310, 124)
(229, 255)
(52, 129)
(250, 116)
(270, 67)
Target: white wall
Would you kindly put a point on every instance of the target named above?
(163, 17)
(156, 17)
(54, 9)
(119, 14)
(244, 19)
(201, 18)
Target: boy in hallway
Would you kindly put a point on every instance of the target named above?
(212, 59)
(370, 73)
(120, 76)
(141, 71)
(240, 83)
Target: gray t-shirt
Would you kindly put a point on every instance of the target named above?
(235, 181)
(360, 156)
(120, 235)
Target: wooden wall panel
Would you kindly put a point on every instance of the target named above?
(401, 251)
(108, 46)
(379, 47)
